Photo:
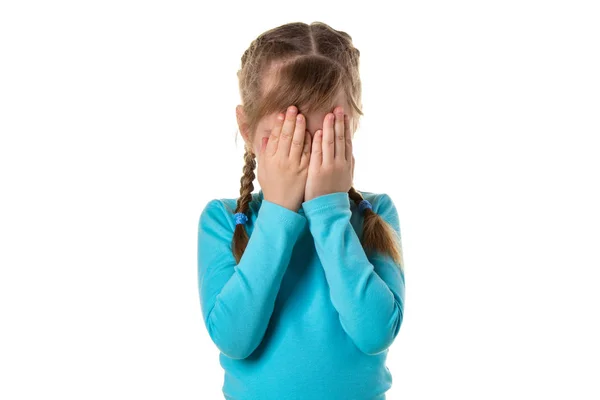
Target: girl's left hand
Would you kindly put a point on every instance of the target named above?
(331, 167)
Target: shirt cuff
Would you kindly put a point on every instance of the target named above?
(274, 213)
(327, 202)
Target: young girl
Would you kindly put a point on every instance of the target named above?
(302, 284)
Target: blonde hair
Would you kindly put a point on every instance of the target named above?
(314, 62)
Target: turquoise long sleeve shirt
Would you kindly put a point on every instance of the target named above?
(306, 314)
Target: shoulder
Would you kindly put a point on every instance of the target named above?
(383, 205)
(223, 209)
(230, 204)
(381, 202)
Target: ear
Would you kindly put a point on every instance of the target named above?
(241, 120)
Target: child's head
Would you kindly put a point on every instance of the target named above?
(315, 68)
(312, 67)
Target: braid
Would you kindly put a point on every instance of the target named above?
(240, 236)
(377, 234)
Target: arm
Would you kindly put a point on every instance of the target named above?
(368, 293)
(237, 300)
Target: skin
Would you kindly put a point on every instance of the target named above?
(330, 158)
(325, 171)
(331, 168)
(314, 122)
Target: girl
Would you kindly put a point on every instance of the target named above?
(302, 284)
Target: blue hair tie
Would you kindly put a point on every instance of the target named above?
(240, 218)
(364, 205)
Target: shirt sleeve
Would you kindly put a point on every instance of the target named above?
(237, 300)
(367, 292)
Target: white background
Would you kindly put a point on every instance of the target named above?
(118, 126)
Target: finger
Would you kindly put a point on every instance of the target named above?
(298, 139)
(307, 149)
(340, 141)
(273, 142)
(263, 145)
(328, 140)
(316, 154)
(347, 136)
(287, 132)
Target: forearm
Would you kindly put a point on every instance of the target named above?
(369, 311)
(237, 315)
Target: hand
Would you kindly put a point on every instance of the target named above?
(283, 162)
(331, 167)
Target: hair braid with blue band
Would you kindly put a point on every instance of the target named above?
(240, 218)
(363, 205)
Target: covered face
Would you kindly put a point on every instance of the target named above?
(314, 119)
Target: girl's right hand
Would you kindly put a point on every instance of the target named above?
(283, 162)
